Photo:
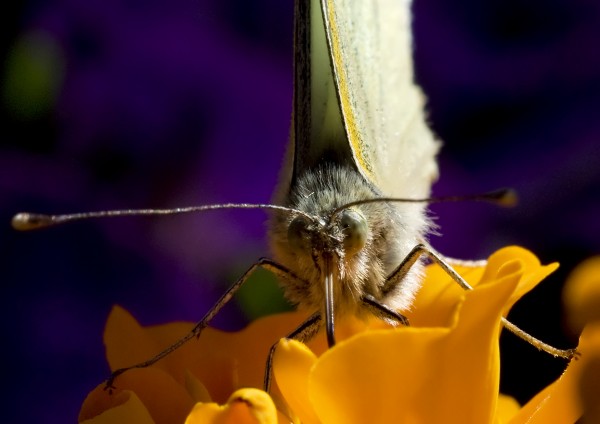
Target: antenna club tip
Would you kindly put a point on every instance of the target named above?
(508, 197)
(26, 221)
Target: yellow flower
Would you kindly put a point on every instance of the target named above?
(443, 368)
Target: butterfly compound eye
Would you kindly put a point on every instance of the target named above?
(355, 231)
(297, 233)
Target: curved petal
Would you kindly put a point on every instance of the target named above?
(516, 260)
(507, 408)
(126, 341)
(291, 367)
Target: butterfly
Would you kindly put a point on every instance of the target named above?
(349, 223)
(358, 132)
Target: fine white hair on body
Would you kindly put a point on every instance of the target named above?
(393, 230)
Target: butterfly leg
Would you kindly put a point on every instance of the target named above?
(265, 263)
(421, 249)
(305, 331)
(463, 262)
(382, 311)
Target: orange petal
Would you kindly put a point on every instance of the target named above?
(581, 294)
(291, 366)
(439, 295)
(126, 341)
(245, 406)
(166, 400)
(515, 260)
(507, 408)
(589, 387)
(417, 374)
(124, 408)
(196, 389)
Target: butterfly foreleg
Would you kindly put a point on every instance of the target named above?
(421, 249)
(265, 263)
(409, 261)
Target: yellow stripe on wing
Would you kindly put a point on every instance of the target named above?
(358, 145)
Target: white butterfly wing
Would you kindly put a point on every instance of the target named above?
(371, 51)
(358, 131)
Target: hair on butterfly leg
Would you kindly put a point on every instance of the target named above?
(537, 343)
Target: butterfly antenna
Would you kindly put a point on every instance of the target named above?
(505, 197)
(26, 221)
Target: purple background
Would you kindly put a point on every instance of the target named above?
(124, 104)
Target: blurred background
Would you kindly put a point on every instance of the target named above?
(128, 104)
